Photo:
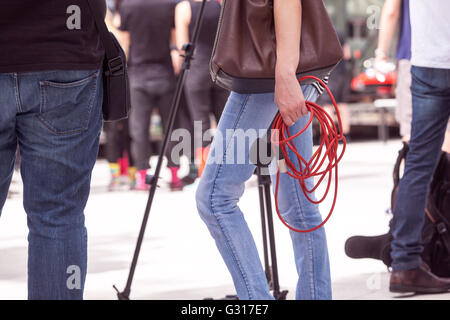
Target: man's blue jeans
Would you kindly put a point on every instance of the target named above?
(222, 185)
(54, 119)
(431, 110)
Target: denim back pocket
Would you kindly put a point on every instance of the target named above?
(66, 106)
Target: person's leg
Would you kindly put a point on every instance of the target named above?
(431, 110)
(310, 249)
(403, 112)
(201, 105)
(222, 185)
(8, 139)
(113, 152)
(113, 141)
(164, 103)
(58, 130)
(344, 111)
(127, 147)
(186, 122)
(199, 101)
(141, 107)
(142, 104)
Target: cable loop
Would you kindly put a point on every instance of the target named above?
(323, 161)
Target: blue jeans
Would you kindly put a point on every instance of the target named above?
(431, 110)
(222, 185)
(54, 119)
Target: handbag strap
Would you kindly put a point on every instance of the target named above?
(113, 56)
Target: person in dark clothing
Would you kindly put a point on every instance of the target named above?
(118, 140)
(150, 25)
(118, 152)
(339, 84)
(204, 97)
(51, 98)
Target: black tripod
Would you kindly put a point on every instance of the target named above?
(265, 204)
(153, 180)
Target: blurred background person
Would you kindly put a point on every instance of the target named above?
(203, 97)
(118, 140)
(184, 118)
(149, 26)
(339, 84)
(118, 154)
(395, 15)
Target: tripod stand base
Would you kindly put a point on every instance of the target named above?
(281, 295)
(122, 295)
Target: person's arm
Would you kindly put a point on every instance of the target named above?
(114, 24)
(124, 40)
(182, 21)
(388, 24)
(175, 53)
(288, 93)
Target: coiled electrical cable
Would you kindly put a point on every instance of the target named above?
(324, 161)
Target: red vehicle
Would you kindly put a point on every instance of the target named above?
(379, 81)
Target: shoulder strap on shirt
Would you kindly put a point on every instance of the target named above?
(111, 51)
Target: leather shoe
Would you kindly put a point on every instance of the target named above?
(419, 280)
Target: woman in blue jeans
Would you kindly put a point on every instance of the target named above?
(223, 180)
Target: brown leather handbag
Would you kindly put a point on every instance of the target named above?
(244, 54)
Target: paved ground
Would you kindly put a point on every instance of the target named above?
(179, 260)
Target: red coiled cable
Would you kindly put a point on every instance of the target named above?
(326, 152)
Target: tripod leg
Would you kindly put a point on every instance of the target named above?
(262, 207)
(190, 49)
(273, 252)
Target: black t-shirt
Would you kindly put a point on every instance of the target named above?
(207, 36)
(149, 23)
(40, 35)
(200, 74)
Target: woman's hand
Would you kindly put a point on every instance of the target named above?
(289, 98)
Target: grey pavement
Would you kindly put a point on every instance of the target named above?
(179, 259)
